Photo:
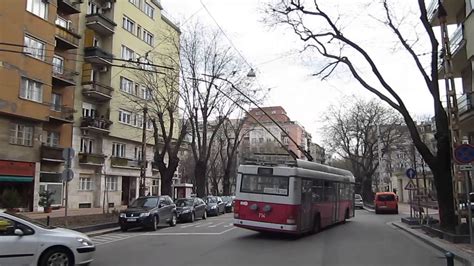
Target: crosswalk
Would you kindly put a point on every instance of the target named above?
(207, 225)
(113, 237)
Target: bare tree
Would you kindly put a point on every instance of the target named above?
(326, 38)
(209, 69)
(354, 130)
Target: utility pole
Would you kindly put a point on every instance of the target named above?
(144, 128)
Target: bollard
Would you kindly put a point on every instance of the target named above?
(449, 258)
(47, 220)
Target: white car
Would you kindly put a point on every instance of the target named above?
(358, 203)
(26, 242)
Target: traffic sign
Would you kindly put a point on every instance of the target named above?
(464, 154)
(67, 175)
(410, 185)
(411, 173)
(68, 154)
(466, 167)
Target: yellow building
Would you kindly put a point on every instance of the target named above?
(107, 132)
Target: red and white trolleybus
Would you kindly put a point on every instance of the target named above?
(295, 197)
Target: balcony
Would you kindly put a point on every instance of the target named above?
(61, 114)
(452, 8)
(97, 55)
(457, 46)
(63, 77)
(120, 162)
(51, 154)
(69, 6)
(100, 24)
(91, 159)
(97, 91)
(66, 38)
(96, 124)
(465, 103)
(457, 41)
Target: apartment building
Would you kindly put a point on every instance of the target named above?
(39, 42)
(108, 126)
(460, 17)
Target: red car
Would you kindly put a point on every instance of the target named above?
(386, 202)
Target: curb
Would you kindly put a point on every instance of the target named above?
(102, 232)
(459, 255)
(368, 209)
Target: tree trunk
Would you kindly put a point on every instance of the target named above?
(200, 175)
(366, 190)
(226, 183)
(167, 173)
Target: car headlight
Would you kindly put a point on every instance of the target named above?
(84, 241)
(144, 214)
(213, 207)
(228, 204)
(123, 215)
(186, 211)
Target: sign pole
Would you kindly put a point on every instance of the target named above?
(67, 175)
(468, 205)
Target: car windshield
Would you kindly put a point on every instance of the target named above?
(32, 221)
(211, 200)
(144, 203)
(358, 197)
(184, 202)
(386, 197)
(226, 199)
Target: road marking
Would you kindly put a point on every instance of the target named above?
(190, 225)
(229, 225)
(204, 224)
(192, 234)
(215, 225)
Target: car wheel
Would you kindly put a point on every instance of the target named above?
(57, 256)
(204, 215)
(377, 211)
(154, 224)
(346, 215)
(173, 220)
(193, 217)
(124, 228)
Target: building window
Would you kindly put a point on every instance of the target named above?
(148, 10)
(89, 110)
(56, 102)
(128, 25)
(38, 7)
(62, 22)
(21, 134)
(139, 31)
(144, 93)
(111, 183)
(92, 8)
(127, 53)
(85, 183)
(118, 150)
(148, 37)
(126, 85)
(135, 2)
(138, 153)
(34, 47)
(87, 145)
(137, 120)
(154, 187)
(31, 90)
(58, 64)
(52, 138)
(125, 117)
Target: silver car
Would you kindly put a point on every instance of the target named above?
(26, 242)
(358, 202)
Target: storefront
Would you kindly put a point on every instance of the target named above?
(17, 184)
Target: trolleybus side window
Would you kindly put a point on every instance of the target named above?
(274, 185)
(317, 190)
(329, 191)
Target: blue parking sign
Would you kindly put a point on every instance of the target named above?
(411, 173)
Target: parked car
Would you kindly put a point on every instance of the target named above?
(24, 241)
(463, 205)
(386, 202)
(215, 205)
(189, 209)
(358, 203)
(229, 203)
(149, 212)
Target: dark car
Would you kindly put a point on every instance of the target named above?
(149, 212)
(215, 205)
(189, 209)
(229, 203)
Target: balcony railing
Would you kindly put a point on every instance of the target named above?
(100, 23)
(91, 158)
(457, 39)
(465, 102)
(97, 91)
(63, 76)
(69, 6)
(66, 38)
(61, 113)
(99, 124)
(125, 162)
(97, 55)
(432, 10)
(54, 154)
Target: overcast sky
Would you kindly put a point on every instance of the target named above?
(272, 52)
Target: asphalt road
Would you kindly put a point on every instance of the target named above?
(367, 239)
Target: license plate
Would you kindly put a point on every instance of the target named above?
(131, 220)
(383, 207)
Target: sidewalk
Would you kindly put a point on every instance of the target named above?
(60, 213)
(462, 252)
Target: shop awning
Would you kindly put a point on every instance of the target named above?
(22, 179)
